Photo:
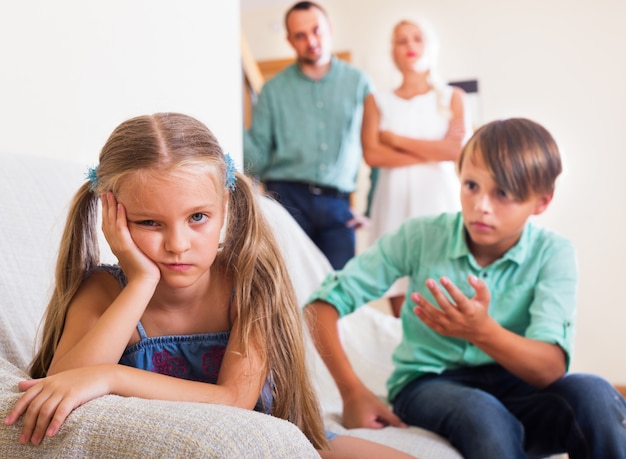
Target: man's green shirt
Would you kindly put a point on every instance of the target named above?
(308, 130)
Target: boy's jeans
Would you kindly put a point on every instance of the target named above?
(486, 412)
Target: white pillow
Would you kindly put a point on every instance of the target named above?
(34, 194)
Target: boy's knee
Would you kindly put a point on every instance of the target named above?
(480, 414)
(575, 383)
(485, 428)
(587, 392)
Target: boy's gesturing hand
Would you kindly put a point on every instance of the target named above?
(463, 317)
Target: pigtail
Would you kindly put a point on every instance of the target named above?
(268, 312)
(268, 316)
(78, 254)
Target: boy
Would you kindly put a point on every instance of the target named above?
(483, 357)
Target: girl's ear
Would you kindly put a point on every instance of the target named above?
(543, 202)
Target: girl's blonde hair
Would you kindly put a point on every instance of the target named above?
(267, 310)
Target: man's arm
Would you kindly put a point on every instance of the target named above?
(258, 139)
(361, 408)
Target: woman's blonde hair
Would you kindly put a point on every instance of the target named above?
(521, 155)
(267, 310)
(431, 48)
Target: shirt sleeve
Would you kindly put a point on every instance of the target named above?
(367, 276)
(258, 140)
(368, 87)
(552, 310)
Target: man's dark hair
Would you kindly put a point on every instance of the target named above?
(302, 6)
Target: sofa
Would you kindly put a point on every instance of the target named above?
(34, 194)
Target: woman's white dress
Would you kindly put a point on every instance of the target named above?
(421, 189)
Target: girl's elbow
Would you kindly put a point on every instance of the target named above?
(224, 397)
(238, 397)
(244, 401)
(371, 159)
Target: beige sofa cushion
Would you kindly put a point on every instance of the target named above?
(120, 427)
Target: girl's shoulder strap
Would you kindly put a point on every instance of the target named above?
(142, 332)
(115, 271)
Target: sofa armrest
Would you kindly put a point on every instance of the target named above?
(113, 426)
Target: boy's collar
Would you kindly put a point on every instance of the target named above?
(519, 251)
(459, 246)
(516, 254)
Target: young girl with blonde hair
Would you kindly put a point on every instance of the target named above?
(187, 315)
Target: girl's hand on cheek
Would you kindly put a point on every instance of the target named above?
(115, 228)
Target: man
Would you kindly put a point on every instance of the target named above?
(304, 141)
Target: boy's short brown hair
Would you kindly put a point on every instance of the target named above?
(520, 154)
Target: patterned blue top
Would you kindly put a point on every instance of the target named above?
(193, 357)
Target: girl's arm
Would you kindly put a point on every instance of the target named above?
(99, 325)
(241, 378)
(101, 317)
(376, 153)
(537, 362)
(446, 149)
(47, 402)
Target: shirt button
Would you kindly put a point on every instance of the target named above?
(320, 104)
(322, 167)
(323, 147)
(484, 274)
(322, 125)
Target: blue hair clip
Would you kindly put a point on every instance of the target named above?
(230, 172)
(92, 176)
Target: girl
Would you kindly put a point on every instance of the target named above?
(413, 135)
(185, 316)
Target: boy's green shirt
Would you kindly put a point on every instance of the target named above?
(533, 290)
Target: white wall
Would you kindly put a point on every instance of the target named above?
(560, 63)
(73, 70)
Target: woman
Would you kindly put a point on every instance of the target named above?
(413, 135)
